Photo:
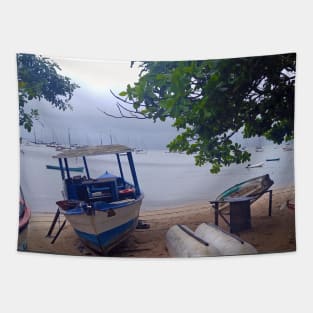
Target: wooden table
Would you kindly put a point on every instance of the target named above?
(240, 211)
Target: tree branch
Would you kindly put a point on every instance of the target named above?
(133, 114)
(119, 98)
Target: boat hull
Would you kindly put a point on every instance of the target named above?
(181, 242)
(105, 228)
(23, 227)
(226, 243)
(255, 165)
(252, 187)
(71, 169)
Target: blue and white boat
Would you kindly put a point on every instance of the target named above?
(103, 211)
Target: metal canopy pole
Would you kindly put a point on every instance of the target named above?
(62, 169)
(120, 166)
(66, 168)
(133, 171)
(86, 167)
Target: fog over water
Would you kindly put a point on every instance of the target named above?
(87, 124)
(166, 179)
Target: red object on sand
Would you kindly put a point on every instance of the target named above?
(290, 205)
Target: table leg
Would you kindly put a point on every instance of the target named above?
(270, 203)
(216, 213)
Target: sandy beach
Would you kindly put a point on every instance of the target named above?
(268, 234)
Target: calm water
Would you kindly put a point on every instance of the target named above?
(167, 179)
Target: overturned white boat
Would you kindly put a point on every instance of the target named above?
(181, 241)
(226, 243)
(206, 240)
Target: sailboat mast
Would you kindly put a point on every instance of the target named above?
(69, 137)
(35, 135)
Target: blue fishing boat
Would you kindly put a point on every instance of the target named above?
(71, 169)
(103, 211)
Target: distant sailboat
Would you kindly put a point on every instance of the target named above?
(259, 147)
(140, 149)
(255, 165)
(69, 137)
(288, 147)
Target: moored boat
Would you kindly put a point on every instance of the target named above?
(103, 211)
(260, 164)
(287, 148)
(273, 159)
(140, 151)
(72, 169)
(24, 218)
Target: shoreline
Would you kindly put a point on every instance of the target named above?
(179, 206)
(268, 234)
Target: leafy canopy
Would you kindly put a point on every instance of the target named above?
(212, 100)
(38, 78)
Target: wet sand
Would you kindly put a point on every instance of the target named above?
(268, 234)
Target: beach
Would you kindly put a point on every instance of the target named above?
(268, 234)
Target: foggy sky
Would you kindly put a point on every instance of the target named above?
(85, 124)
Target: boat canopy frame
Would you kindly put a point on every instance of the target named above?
(98, 150)
(93, 150)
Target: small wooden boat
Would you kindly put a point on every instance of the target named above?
(273, 159)
(260, 164)
(71, 169)
(24, 217)
(103, 211)
(140, 151)
(252, 187)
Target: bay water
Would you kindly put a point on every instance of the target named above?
(167, 179)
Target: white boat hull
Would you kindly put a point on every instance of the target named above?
(104, 229)
(180, 243)
(226, 243)
(255, 165)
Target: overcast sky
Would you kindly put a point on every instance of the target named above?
(85, 123)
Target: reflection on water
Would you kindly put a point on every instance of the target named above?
(167, 179)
